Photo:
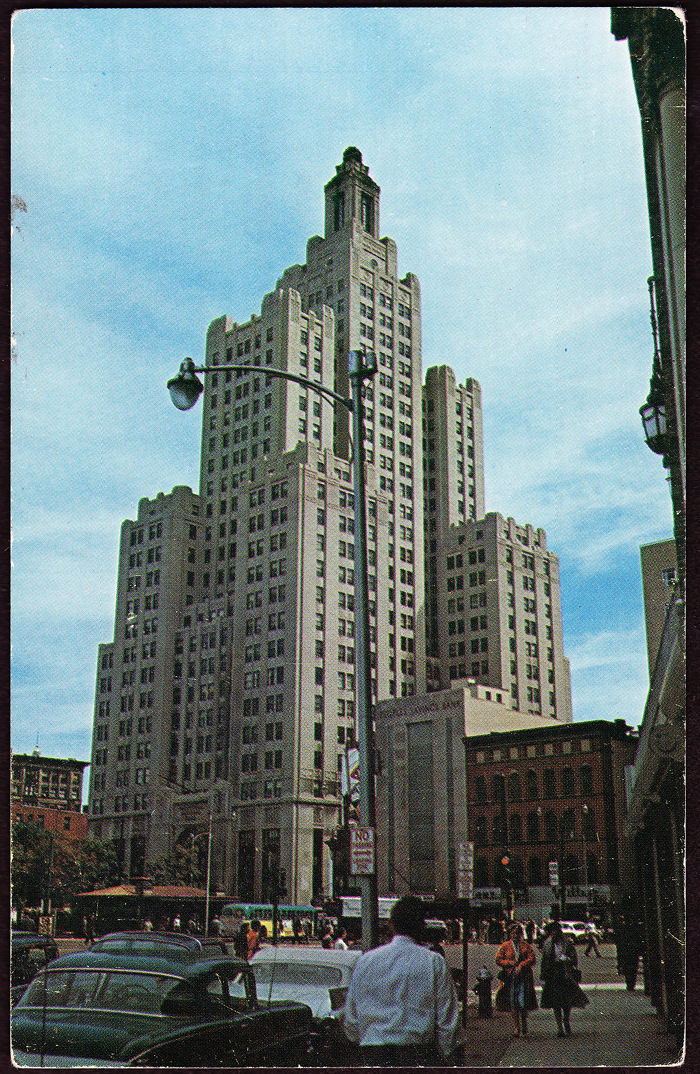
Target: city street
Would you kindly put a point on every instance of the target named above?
(617, 1028)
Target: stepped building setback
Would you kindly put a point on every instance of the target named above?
(229, 689)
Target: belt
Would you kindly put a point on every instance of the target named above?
(400, 1055)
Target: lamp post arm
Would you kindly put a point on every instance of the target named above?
(280, 374)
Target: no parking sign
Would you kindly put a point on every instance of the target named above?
(362, 851)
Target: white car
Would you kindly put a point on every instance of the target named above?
(311, 975)
(575, 930)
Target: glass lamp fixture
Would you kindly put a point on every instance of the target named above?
(186, 388)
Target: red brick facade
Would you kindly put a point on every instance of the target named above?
(564, 797)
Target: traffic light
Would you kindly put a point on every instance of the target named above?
(506, 878)
(282, 883)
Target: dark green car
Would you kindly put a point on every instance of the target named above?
(100, 1009)
(30, 953)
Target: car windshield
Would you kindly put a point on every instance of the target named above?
(159, 948)
(100, 990)
(297, 973)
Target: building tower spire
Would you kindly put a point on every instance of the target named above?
(352, 195)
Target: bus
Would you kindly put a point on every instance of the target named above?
(234, 914)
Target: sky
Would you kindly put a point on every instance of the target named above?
(169, 164)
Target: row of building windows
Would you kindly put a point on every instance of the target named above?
(502, 786)
(154, 531)
(545, 749)
(555, 828)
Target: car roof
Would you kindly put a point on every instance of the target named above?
(106, 960)
(318, 956)
(181, 939)
(30, 939)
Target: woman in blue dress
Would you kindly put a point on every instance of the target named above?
(516, 992)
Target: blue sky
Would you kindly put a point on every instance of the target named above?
(172, 164)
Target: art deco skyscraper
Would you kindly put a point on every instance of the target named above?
(249, 685)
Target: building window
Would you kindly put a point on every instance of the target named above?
(568, 785)
(533, 827)
(586, 774)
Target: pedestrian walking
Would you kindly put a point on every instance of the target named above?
(401, 1006)
(516, 992)
(240, 941)
(592, 940)
(90, 929)
(253, 938)
(340, 944)
(629, 948)
(530, 931)
(560, 973)
(483, 927)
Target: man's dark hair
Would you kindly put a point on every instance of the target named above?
(408, 917)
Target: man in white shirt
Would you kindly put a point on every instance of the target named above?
(402, 1006)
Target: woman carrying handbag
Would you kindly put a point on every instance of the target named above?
(560, 973)
(516, 992)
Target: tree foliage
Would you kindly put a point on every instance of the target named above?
(48, 865)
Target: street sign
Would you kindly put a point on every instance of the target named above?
(465, 871)
(362, 851)
(554, 874)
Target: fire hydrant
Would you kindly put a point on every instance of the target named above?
(483, 990)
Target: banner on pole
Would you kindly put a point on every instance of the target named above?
(350, 774)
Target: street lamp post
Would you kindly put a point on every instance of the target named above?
(184, 390)
(584, 811)
(208, 880)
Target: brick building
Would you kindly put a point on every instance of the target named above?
(551, 794)
(48, 791)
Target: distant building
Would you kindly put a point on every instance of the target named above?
(422, 815)
(552, 794)
(499, 614)
(659, 585)
(47, 791)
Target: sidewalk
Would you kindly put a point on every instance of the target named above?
(617, 1029)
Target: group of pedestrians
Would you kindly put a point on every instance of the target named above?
(402, 1007)
(559, 973)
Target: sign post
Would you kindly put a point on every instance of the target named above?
(465, 886)
(362, 851)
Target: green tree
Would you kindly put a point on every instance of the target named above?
(184, 867)
(48, 865)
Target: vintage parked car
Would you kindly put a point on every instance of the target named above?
(314, 976)
(576, 931)
(101, 1009)
(30, 953)
(161, 945)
